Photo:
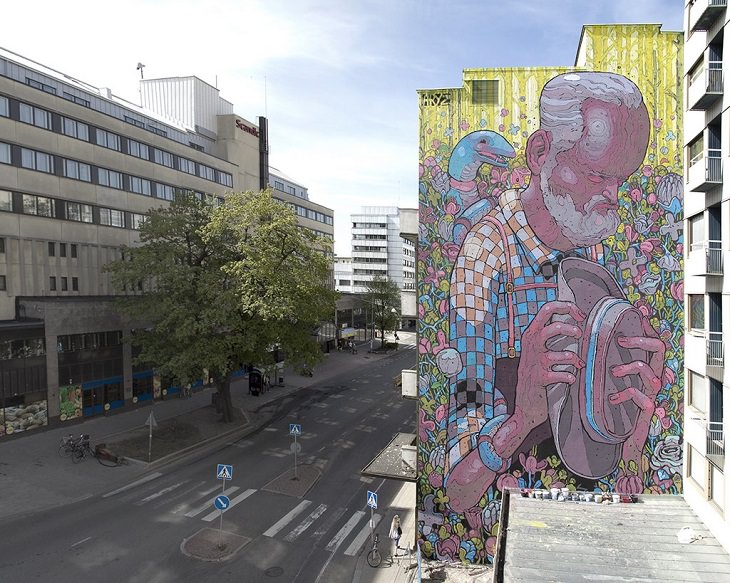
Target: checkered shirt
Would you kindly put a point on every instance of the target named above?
(480, 329)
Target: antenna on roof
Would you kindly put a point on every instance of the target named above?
(140, 68)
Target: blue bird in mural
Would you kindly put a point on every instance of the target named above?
(470, 154)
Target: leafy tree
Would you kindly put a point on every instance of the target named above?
(224, 285)
(383, 298)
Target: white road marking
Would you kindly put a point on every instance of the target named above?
(216, 513)
(306, 523)
(287, 518)
(337, 540)
(240, 444)
(195, 511)
(362, 535)
(82, 541)
(329, 522)
(160, 493)
(185, 506)
(270, 429)
(133, 484)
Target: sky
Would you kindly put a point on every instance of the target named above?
(337, 79)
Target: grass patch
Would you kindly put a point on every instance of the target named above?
(170, 436)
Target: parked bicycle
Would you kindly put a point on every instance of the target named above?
(67, 444)
(81, 449)
(374, 556)
(78, 448)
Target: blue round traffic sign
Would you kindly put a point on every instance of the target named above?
(222, 502)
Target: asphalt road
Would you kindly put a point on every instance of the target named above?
(134, 533)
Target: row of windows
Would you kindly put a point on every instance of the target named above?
(369, 260)
(368, 271)
(409, 286)
(92, 341)
(43, 206)
(53, 283)
(63, 249)
(43, 162)
(367, 248)
(44, 119)
(407, 263)
(369, 225)
(301, 211)
(361, 237)
(24, 348)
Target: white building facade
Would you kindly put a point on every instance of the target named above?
(707, 250)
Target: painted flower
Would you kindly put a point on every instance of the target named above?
(504, 112)
(436, 479)
(514, 129)
(677, 290)
(667, 455)
(669, 187)
(424, 346)
(531, 465)
(440, 413)
(448, 549)
(649, 283)
(507, 481)
(424, 426)
(490, 515)
(437, 457)
(629, 484)
(433, 275)
(463, 125)
(448, 132)
(450, 251)
(669, 263)
(427, 215)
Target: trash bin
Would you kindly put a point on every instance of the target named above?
(255, 382)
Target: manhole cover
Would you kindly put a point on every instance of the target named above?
(274, 572)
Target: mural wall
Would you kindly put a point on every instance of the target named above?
(550, 284)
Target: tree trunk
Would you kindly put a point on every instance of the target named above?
(224, 396)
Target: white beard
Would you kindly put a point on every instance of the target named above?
(583, 229)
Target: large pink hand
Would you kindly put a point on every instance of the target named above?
(538, 363)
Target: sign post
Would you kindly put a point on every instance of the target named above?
(373, 503)
(295, 429)
(152, 422)
(223, 472)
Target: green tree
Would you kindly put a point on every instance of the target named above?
(382, 298)
(222, 286)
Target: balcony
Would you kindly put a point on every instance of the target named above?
(710, 254)
(715, 349)
(716, 443)
(705, 171)
(705, 86)
(703, 13)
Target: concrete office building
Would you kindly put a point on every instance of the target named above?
(379, 249)
(79, 168)
(707, 215)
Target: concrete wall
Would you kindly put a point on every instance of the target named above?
(520, 224)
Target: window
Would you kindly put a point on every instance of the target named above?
(485, 91)
(51, 249)
(138, 150)
(76, 211)
(52, 283)
(111, 217)
(206, 172)
(697, 468)
(186, 165)
(2, 244)
(77, 100)
(225, 179)
(41, 86)
(164, 191)
(136, 122)
(697, 391)
(697, 311)
(35, 115)
(75, 284)
(696, 150)
(36, 160)
(197, 147)
(64, 284)
(62, 249)
(6, 200)
(75, 129)
(279, 185)
(156, 130)
(136, 220)
(39, 205)
(77, 170)
(3, 283)
(5, 157)
(140, 185)
(290, 189)
(110, 178)
(4, 106)
(164, 158)
(74, 250)
(108, 140)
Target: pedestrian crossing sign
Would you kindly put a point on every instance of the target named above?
(295, 429)
(372, 499)
(224, 472)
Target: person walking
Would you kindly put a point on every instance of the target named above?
(395, 533)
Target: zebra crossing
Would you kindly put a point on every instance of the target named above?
(306, 520)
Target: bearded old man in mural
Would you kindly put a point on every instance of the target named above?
(548, 347)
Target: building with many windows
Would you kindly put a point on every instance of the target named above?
(79, 168)
(707, 216)
(379, 249)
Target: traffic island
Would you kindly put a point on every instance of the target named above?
(294, 485)
(210, 544)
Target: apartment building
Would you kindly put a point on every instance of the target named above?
(707, 216)
(378, 249)
(79, 168)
